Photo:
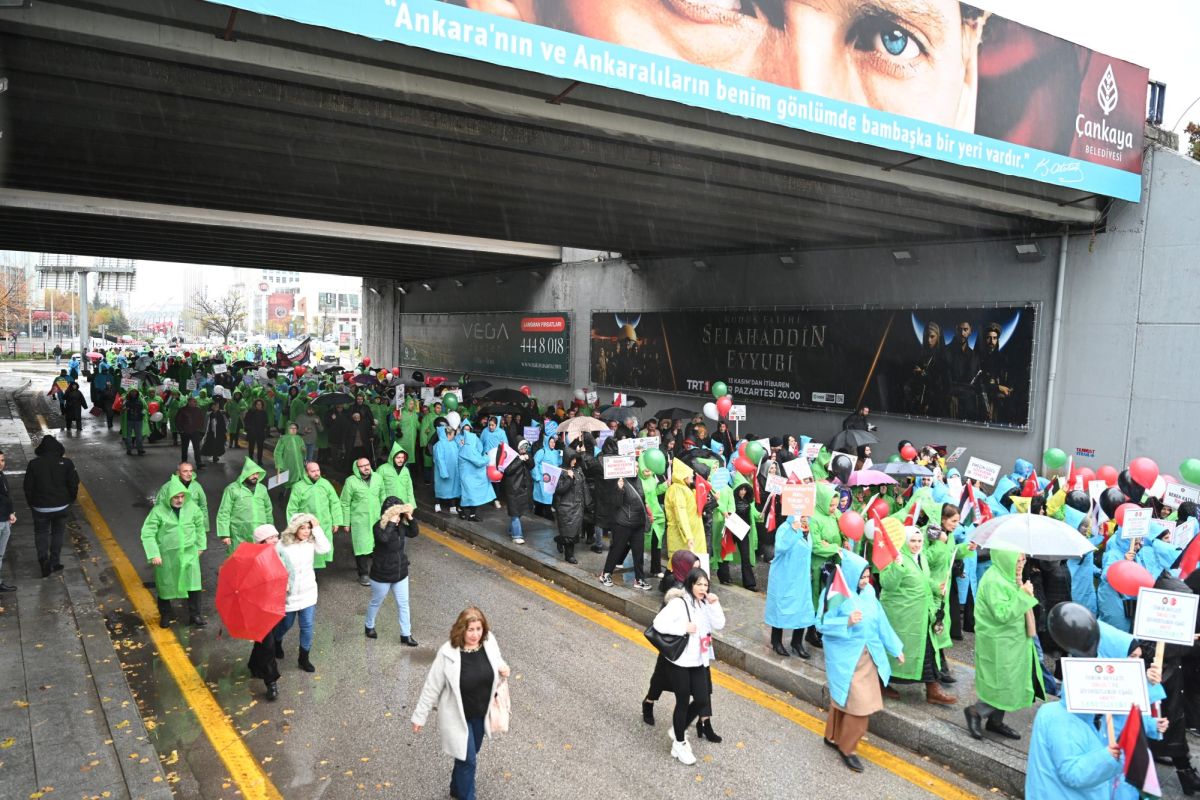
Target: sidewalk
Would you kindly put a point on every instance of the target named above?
(69, 725)
(938, 732)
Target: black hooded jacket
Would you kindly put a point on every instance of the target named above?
(389, 564)
(571, 498)
(518, 486)
(608, 496)
(50, 479)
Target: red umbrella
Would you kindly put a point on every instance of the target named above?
(251, 590)
(94, 356)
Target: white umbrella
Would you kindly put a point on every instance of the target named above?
(1032, 534)
(908, 469)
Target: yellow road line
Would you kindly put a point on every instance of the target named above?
(909, 772)
(243, 767)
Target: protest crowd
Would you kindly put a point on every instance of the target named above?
(882, 559)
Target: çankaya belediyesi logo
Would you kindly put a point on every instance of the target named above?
(1107, 95)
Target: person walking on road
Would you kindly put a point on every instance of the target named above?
(628, 533)
(570, 503)
(465, 675)
(858, 640)
(682, 563)
(51, 485)
(73, 406)
(256, 423)
(8, 518)
(190, 424)
(135, 422)
(789, 594)
(695, 612)
(263, 663)
(245, 505)
(361, 501)
(299, 544)
(215, 424)
(289, 456)
(187, 475)
(389, 564)
(315, 495)
(173, 539)
(518, 490)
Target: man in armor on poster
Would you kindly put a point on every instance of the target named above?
(962, 372)
(993, 383)
(924, 387)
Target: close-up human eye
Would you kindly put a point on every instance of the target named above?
(715, 11)
(885, 38)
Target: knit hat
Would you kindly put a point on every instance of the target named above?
(264, 532)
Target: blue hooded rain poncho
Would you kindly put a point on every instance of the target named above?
(445, 466)
(472, 471)
(789, 582)
(1067, 760)
(547, 455)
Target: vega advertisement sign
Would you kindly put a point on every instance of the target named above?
(938, 79)
(530, 345)
(969, 364)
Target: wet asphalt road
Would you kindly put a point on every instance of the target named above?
(344, 732)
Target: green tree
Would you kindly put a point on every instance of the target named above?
(111, 317)
(1193, 133)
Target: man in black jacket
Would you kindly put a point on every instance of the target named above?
(51, 485)
(7, 518)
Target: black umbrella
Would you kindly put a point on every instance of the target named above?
(675, 413)
(506, 396)
(472, 388)
(243, 365)
(500, 409)
(333, 399)
(331, 368)
(850, 440)
(635, 401)
(618, 413)
(366, 379)
(149, 377)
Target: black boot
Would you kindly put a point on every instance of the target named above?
(278, 648)
(195, 618)
(304, 663)
(798, 644)
(558, 542)
(648, 712)
(777, 643)
(813, 637)
(1189, 779)
(974, 722)
(272, 690)
(166, 614)
(704, 730)
(569, 552)
(408, 641)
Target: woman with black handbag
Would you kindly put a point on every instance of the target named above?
(690, 615)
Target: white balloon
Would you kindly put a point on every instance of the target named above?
(580, 395)
(453, 419)
(156, 416)
(710, 411)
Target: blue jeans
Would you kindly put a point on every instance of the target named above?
(379, 592)
(306, 615)
(1048, 678)
(515, 528)
(133, 436)
(462, 779)
(310, 452)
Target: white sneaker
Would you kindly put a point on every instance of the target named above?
(497, 502)
(453, 510)
(682, 751)
(437, 508)
(518, 540)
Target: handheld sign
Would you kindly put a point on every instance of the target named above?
(812, 450)
(798, 468)
(737, 414)
(220, 369)
(629, 446)
(798, 500)
(620, 467)
(1183, 534)
(531, 434)
(775, 484)
(1104, 685)
(956, 455)
(720, 478)
(426, 394)
(277, 480)
(1177, 493)
(550, 476)
(1095, 489)
(1137, 523)
(984, 472)
(592, 397)
(1166, 616)
(737, 526)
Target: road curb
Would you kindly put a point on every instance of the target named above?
(989, 764)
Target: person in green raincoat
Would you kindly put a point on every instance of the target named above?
(1008, 675)
(173, 538)
(736, 499)
(942, 555)
(244, 506)
(396, 480)
(826, 542)
(427, 436)
(135, 432)
(187, 476)
(296, 405)
(361, 500)
(235, 408)
(653, 489)
(381, 411)
(409, 424)
(911, 599)
(289, 455)
(315, 495)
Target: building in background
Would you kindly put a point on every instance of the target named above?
(195, 284)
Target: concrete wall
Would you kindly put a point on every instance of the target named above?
(1125, 383)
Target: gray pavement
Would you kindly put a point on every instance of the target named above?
(344, 732)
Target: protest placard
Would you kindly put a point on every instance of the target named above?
(531, 434)
(737, 414)
(1177, 493)
(1183, 534)
(982, 471)
(1104, 685)
(737, 526)
(1095, 489)
(775, 484)
(1137, 523)
(220, 369)
(956, 455)
(277, 480)
(426, 394)
(627, 447)
(720, 478)
(550, 475)
(619, 467)
(812, 450)
(798, 499)
(799, 468)
(1164, 616)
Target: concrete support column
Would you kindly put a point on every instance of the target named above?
(381, 305)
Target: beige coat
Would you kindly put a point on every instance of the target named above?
(441, 692)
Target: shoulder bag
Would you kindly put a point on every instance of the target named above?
(670, 646)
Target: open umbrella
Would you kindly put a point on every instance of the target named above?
(506, 396)
(849, 441)
(243, 364)
(870, 477)
(582, 424)
(331, 368)
(500, 409)
(365, 379)
(473, 388)
(95, 356)
(148, 377)
(1033, 534)
(251, 591)
(333, 399)
(908, 469)
(618, 413)
(674, 414)
(635, 401)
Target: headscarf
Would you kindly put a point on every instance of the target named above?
(682, 562)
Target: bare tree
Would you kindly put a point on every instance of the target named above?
(14, 296)
(220, 317)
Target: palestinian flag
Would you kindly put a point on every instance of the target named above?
(883, 549)
(1137, 763)
(1189, 559)
(301, 355)
(838, 592)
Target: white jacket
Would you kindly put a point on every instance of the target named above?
(673, 619)
(302, 578)
(441, 691)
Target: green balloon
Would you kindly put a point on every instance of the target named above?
(450, 402)
(655, 461)
(754, 452)
(1054, 458)
(1190, 470)
(719, 389)
(894, 458)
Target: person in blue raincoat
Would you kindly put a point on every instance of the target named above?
(1112, 605)
(550, 454)
(1067, 760)
(491, 438)
(1083, 569)
(858, 640)
(474, 487)
(1119, 644)
(789, 587)
(445, 470)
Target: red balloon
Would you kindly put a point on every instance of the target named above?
(1121, 509)
(299, 371)
(1107, 474)
(312, 395)
(744, 465)
(152, 407)
(909, 453)
(851, 525)
(1144, 471)
(396, 372)
(494, 474)
(724, 404)
(525, 390)
(1128, 576)
(366, 362)
(880, 507)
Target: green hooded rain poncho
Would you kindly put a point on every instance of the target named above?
(319, 499)
(941, 559)
(911, 600)
(1007, 673)
(826, 536)
(361, 502)
(653, 489)
(396, 482)
(727, 504)
(409, 424)
(178, 539)
(243, 509)
(195, 492)
(289, 457)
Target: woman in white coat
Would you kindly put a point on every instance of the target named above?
(464, 677)
(691, 610)
(301, 542)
